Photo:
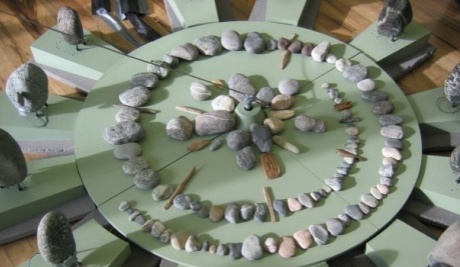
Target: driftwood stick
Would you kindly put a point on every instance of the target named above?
(190, 110)
(269, 201)
(179, 189)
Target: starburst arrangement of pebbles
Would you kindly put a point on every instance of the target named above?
(254, 247)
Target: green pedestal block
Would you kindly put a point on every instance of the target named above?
(385, 52)
(62, 115)
(95, 247)
(286, 12)
(436, 184)
(195, 12)
(91, 62)
(399, 245)
(51, 182)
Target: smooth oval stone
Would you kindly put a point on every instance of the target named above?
(192, 244)
(320, 51)
(232, 213)
(386, 170)
(55, 240)
(334, 226)
(280, 207)
(27, 88)
(382, 107)
(306, 49)
(320, 126)
(171, 60)
(454, 160)
(134, 165)
(396, 143)
(199, 91)
(182, 201)
(254, 43)
(452, 86)
(306, 200)
(246, 159)
(392, 131)
(261, 137)
(234, 250)
(124, 205)
(295, 47)
(282, 102)
(195, 205)
(369, 200)
(376, 193)
(162, 192)
(288, 87)
(391, 152)
(135, 97)
(319, 233)
(271, 245)
(374, 96)
(165, 237)
(266, 94)
(238, 139)
(355, 73)
(203, 212)
(223, 102)
(260, 213)
(354, 212)
(271, 44)
(127, 114)
(145, 79)
(186, 51)
(242, 85)
(331, 58)
(215, 144)
(214, 122)
(303, 238)
(179, 239)
(179, 128)
(247, 211)
(364, 208)
(293, 204)
(222, 249)
(304, 123)
(334, 182)
(390, 119)
(13, 167)
(231, 40)
(341, 64)
(252, 248)
(287, 247)
(344, 219)
(216, 213)
(366, 85)
(146, 179)
(159, 68)
(209, 45)
(383, 189)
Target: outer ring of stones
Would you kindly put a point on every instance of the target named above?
(318, 232)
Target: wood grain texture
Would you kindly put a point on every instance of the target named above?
(338, 18)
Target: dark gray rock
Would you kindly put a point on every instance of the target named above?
(355, 73)
(394, 17)
(262, 137)
(238, 139)
(374, 95)
(145, 79)
(69, 24)
(235, 250)
(319, 233)
(280, 206)
(452, 86)
(209, 45)
(354, 212)
(242, 85)
(214, 122)
(232, 213)
(254, 43)
(252, 248)
(260, 213)
(231, 40)
(271, 45)
(247, 211)
(179, 128)
(390, 119)
(246, 159)
(146, 179)
(124, 132)
(382, 108)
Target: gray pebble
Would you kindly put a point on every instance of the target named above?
(238, 139)
(271, 45)
(246, 159)
(179, 128)
(69, 24)
(261, 136)
(265, 94)
(387, 170)
(135, 97)
(306, 200)
(165, 237)
(366, 85)
(354, 212)
(127, 114)
(235, 250)
(374, 96)
(159, 68)
(203, 212)
(391, 152)
(334, 226)
(13, 166)
(288, 87)
(295, 47)
(242, 84)
(364, 208)
(396, 143)
(320, 51)
(139, 220)
(124, 132)
(376, 193)
(145, 79)
(124, 205)
(215, 144)
(199, 91)
(392, 131)
(316, 196)
(344, 219)
(254, 43)
(231, 40)
(222, 249)
(209, 45)
(260, 213)
(452, 85)
(247, 211)
(304, 123)
(306, 49)
(355, 73)
(390, 119)
(280, 206)
(388, 181)
(195, 205)
(454, 160)
(146, 179)
(369, 200)
(334, 182)
(182, 201)
(319, 233)
(134, 165)
(162, 192)
(320, 126)
(205, 246)
(232, 213)
(251, 248)
(382, 107)
(214, 122)
(186, 51)
(170, 60)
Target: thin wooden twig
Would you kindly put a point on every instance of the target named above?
(190, 110)
(179, 188)
(269, 201)
(142, 110)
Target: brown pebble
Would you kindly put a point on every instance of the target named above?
(287, 247)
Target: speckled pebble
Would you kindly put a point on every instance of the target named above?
(238, 139)
(234, 250)
(231, 40)
(271, 245)
(133, 215)
(247, 211)
(382, 107)
(245, 158)
(344, 219)
(319, 233)
(135, 97)
(162, 192)
(341, 64)
(165, 237)
(146, 179)
(355, 73)
(179, 128)
(134, 165)
(334, 182)
(287, 247)
(157, 229)
(390, 119)
(303, 238)
(388, 181)
(354, 212)
(127, 114)
(124, 132)
(195, 205)
(127, 151)
(145, 79)
(392, 131)
(254, 43)
(223, 102)
(186, 51)
(374, 96)
(288, 87)
(387, 170)
(280, 206)
(252, 247)
(304, 123)
(266, 94)
(209, 45)
(391, 152)
(182, 201)
(271, 45)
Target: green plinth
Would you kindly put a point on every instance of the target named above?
(384, 51)
(193, 13)
(51, 50)
(51, 182)
(286, 12)
(399, 245)
(95, 247)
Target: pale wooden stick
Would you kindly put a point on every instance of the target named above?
(190, 110)
(179, 189)
(269, 201)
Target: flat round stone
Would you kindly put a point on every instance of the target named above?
(127, 114)
(135, 97)
(293, 204)
(127, 151)
(376, 193)
(247, 211)
(354, 212)
(304, 123)
(355, 73)
(146, 179)
(179, 239)
(392, 131)
(254, 43)
(145, 79)
(245, 158)
(382, 107)
(192, 244)
(288, 87)
(369, 200)
(334, 226)
(124, 132)
(383, 189)
(231, 40)
(157, 229)
(391, 152)
(396, 143)
(366, 85)
(295, 47)
(242, 84)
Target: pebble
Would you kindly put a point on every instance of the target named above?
(254, 43)
(283, 43)
(124, 132)
(333, 93)
(364, 208)
(334, 182)
(216, 213)
(355, 73)
(342, 170)
(192, 244)
(157, 229)
(390, 119)
(354, 212)
(133, 215)
(247, 211)
(454, 160)
(214, 122)
(265, 94)
(352, 130)
(179, 128)
(127, 151)
(145, 79)
(147, 225)
(162, 192)
(320, 126)
(252, 248)
(159, 68)
(165, 237)
(341, 64)
(124, 205)
(320, 51)
(134, 165)
(271, 45)
(215, 144)
(383, 189)
(186, 51)
(208, 45)
(388, 181)
(374, 96)
(280, 207)
(304, 123)
(146, 179)
(182, 201)
(271, 245)
(369, 200)
(260, 213)
(306, 200)
(195, 205)
(205, 246)
(445, 251)
(179, 239)
(382, 107)
(366, 85)
(293, 204)
(334, 226)
(238, 139)
(288, 87)
(275, 125)
(222, 250)
(200, 91)
(231, 40)
(391, 152)
(303, 238)
(212, 249)
(261, 137)
(282, 102)
(172, 61)
(327, 189)
(295, 47)
(232, 213)
(387, 170)
(393, 18)
(331, 59)
(127, 114)
(344, 219)
(306, 49)
(315, 196)
(234, 250)
(242, 84)
(392, 131)
(139, 220)
(376, 193)
(452, 85)
(287, 247)
(135, 97)
(319, 234)
(223, 102)
(70, 26)
(246, 159)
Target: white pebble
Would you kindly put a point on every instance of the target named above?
(331, 58)
(366, 85)
(341, 64)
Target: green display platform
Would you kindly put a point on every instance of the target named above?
(193, 13)
(62, 115)
(399, 245)
(104, 251)
(51, 182)
(436, 184)
(286, 12)
(385, 52)
(50, 50)
(218, 180)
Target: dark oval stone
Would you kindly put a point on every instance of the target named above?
(246, 159)
(374, 96)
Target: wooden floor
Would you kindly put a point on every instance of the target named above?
(342, 19)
